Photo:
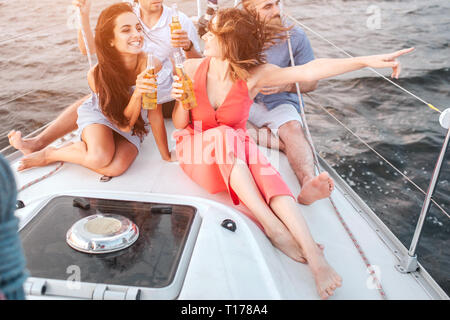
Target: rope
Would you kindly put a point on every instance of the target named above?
(371, 69)
(316, 163)
(41, 178)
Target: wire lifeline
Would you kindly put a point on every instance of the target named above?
(379, 155)
(389, 80)
(34, 90)
(29, 33)
(431, 106)
(61, 163)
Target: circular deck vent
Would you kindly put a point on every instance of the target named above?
(102, 233)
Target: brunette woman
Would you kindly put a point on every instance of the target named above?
(112, 123)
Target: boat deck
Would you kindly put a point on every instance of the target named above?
(244, 264)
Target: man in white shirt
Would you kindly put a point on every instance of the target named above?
(155, 18)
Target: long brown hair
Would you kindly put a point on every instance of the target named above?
(243, 37)
(112, 79)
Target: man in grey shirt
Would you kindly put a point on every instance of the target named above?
(276, 110)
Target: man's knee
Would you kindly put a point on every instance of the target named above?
(290, 129)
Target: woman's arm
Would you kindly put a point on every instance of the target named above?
(133, 109)
(180, 116)
(270, 75)
(85, 8)
(156, 119)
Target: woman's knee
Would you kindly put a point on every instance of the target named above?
(98, 157)
(120, 163)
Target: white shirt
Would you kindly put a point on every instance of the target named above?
(159, 45)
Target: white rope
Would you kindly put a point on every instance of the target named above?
(371, 69)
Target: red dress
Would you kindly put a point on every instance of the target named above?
(208, 146)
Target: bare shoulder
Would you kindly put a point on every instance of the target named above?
(191, 65)
(91, 78)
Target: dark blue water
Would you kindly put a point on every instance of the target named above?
(46, 69)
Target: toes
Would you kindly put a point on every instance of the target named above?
(302, 260)
(329, 291)
(324, 295)
(21, 167)
(331, 184)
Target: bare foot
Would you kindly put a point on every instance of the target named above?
(35, 159)
(27, 146)
(317, 188)
(327, 280)
(283, 240)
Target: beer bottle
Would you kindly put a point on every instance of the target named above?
(188, 99)
(175, 25)
(150, 100)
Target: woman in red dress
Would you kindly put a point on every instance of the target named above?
(214, 148)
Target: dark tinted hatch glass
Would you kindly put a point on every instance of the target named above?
(150, 262)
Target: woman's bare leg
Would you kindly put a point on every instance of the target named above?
(66, 122)
(327, 280)
(96, 151)
(124, 156)
(242, 182)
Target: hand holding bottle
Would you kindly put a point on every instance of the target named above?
(177, 89)
(180, 39)
(145, 84)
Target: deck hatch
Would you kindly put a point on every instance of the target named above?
(151, 262)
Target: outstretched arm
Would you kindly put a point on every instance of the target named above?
(85, 8)
(271, 75)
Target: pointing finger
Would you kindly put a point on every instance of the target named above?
(402, 52)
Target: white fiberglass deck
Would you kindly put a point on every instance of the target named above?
(244, 264)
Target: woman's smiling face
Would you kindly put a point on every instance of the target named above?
(128, 34)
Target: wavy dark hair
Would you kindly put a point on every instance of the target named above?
(243, 37)
(112, 80)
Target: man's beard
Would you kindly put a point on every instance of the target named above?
(276, 20)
